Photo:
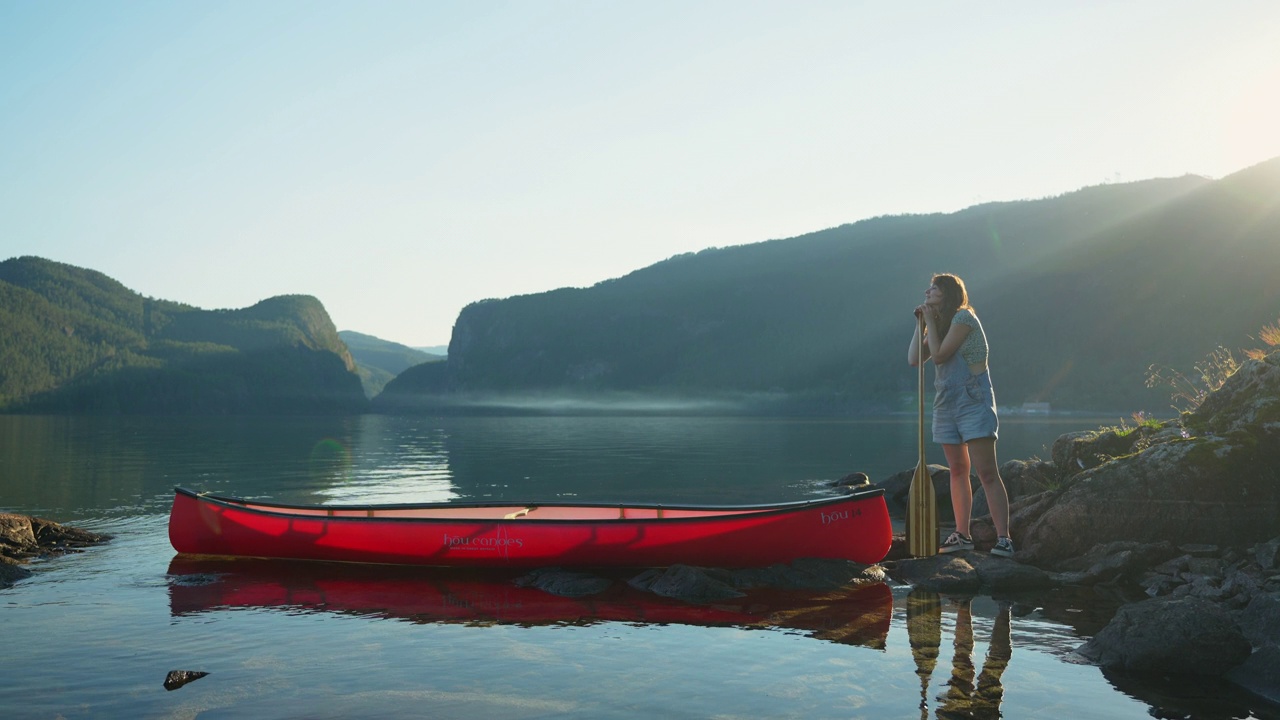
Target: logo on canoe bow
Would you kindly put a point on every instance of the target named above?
(454, 542)
(838, 515)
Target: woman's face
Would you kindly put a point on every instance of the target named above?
(933, 296)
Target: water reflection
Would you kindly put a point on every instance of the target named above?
(852, 616)
(963, 698)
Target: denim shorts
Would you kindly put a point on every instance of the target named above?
(965, 412)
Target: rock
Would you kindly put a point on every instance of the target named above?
(1077, 451)
(17, 538)
(1189, 636)
(1200, 550)
(1260, 620)
(857, 479)
(11, 572)
(941, 573)
(807, 574)
(1268, 554)
(684, 582)
(1247, 401)
(1218, 485)
(1167, 491)
(897, 487)
(177, 678)
(1260, 673)
(564, 583)
(1106, 562)
(1000, 575)
(22, 536)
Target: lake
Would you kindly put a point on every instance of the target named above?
(93, 635)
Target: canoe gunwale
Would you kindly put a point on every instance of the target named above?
(755, 510)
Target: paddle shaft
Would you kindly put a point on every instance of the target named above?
(922, 503)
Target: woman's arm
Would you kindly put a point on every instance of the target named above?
(943, 349)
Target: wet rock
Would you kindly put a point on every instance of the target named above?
(11, 572)
(565, 583)
(684, 582)
(1260, 620)
(1189, 636)
(953, 573)
(857, 479)
(1260, 673)
(22, 536)
(177, 678)
(806, 574)
(1000, 575)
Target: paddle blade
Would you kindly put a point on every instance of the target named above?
(922, 515)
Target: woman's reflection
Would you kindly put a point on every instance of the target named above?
(964, 698)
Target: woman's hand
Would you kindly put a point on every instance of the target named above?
(928, 312)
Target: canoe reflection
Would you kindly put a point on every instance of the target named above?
(963, 698)
(853, 616)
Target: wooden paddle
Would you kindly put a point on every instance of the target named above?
(922, 502)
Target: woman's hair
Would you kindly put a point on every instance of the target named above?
(954, 296)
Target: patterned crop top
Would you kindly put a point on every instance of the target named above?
(974, 349)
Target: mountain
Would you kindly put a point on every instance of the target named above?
(1079, 295)
(74, 340)
(378, 361)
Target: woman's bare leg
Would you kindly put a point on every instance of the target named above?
(983, 453)
(961, 491)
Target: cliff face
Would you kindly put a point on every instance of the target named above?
(1067, 288)
(73, 340)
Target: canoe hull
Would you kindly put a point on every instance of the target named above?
(854, 527)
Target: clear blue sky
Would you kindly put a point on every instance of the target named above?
(399, 160)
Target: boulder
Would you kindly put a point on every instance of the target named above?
(1260, 620)
(177, 678)
(11, 572)
(953, 573)
(22, 536)
(684, 582)
(564, 583)
(1166, 636)
(1085, 449)
(898, 486)
(1216, 483)
(1260, 673)
(806, 574)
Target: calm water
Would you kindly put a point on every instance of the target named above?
(93, 635)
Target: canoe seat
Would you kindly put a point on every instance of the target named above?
(520, 513)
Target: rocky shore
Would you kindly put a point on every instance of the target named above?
(1180, 518)
(23, 538)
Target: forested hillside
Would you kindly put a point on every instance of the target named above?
(1079, 294)
(75, 340)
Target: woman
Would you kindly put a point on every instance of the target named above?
(964, 407)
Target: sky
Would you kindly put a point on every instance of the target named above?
(400, 160)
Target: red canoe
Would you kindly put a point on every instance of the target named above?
(852, 527)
